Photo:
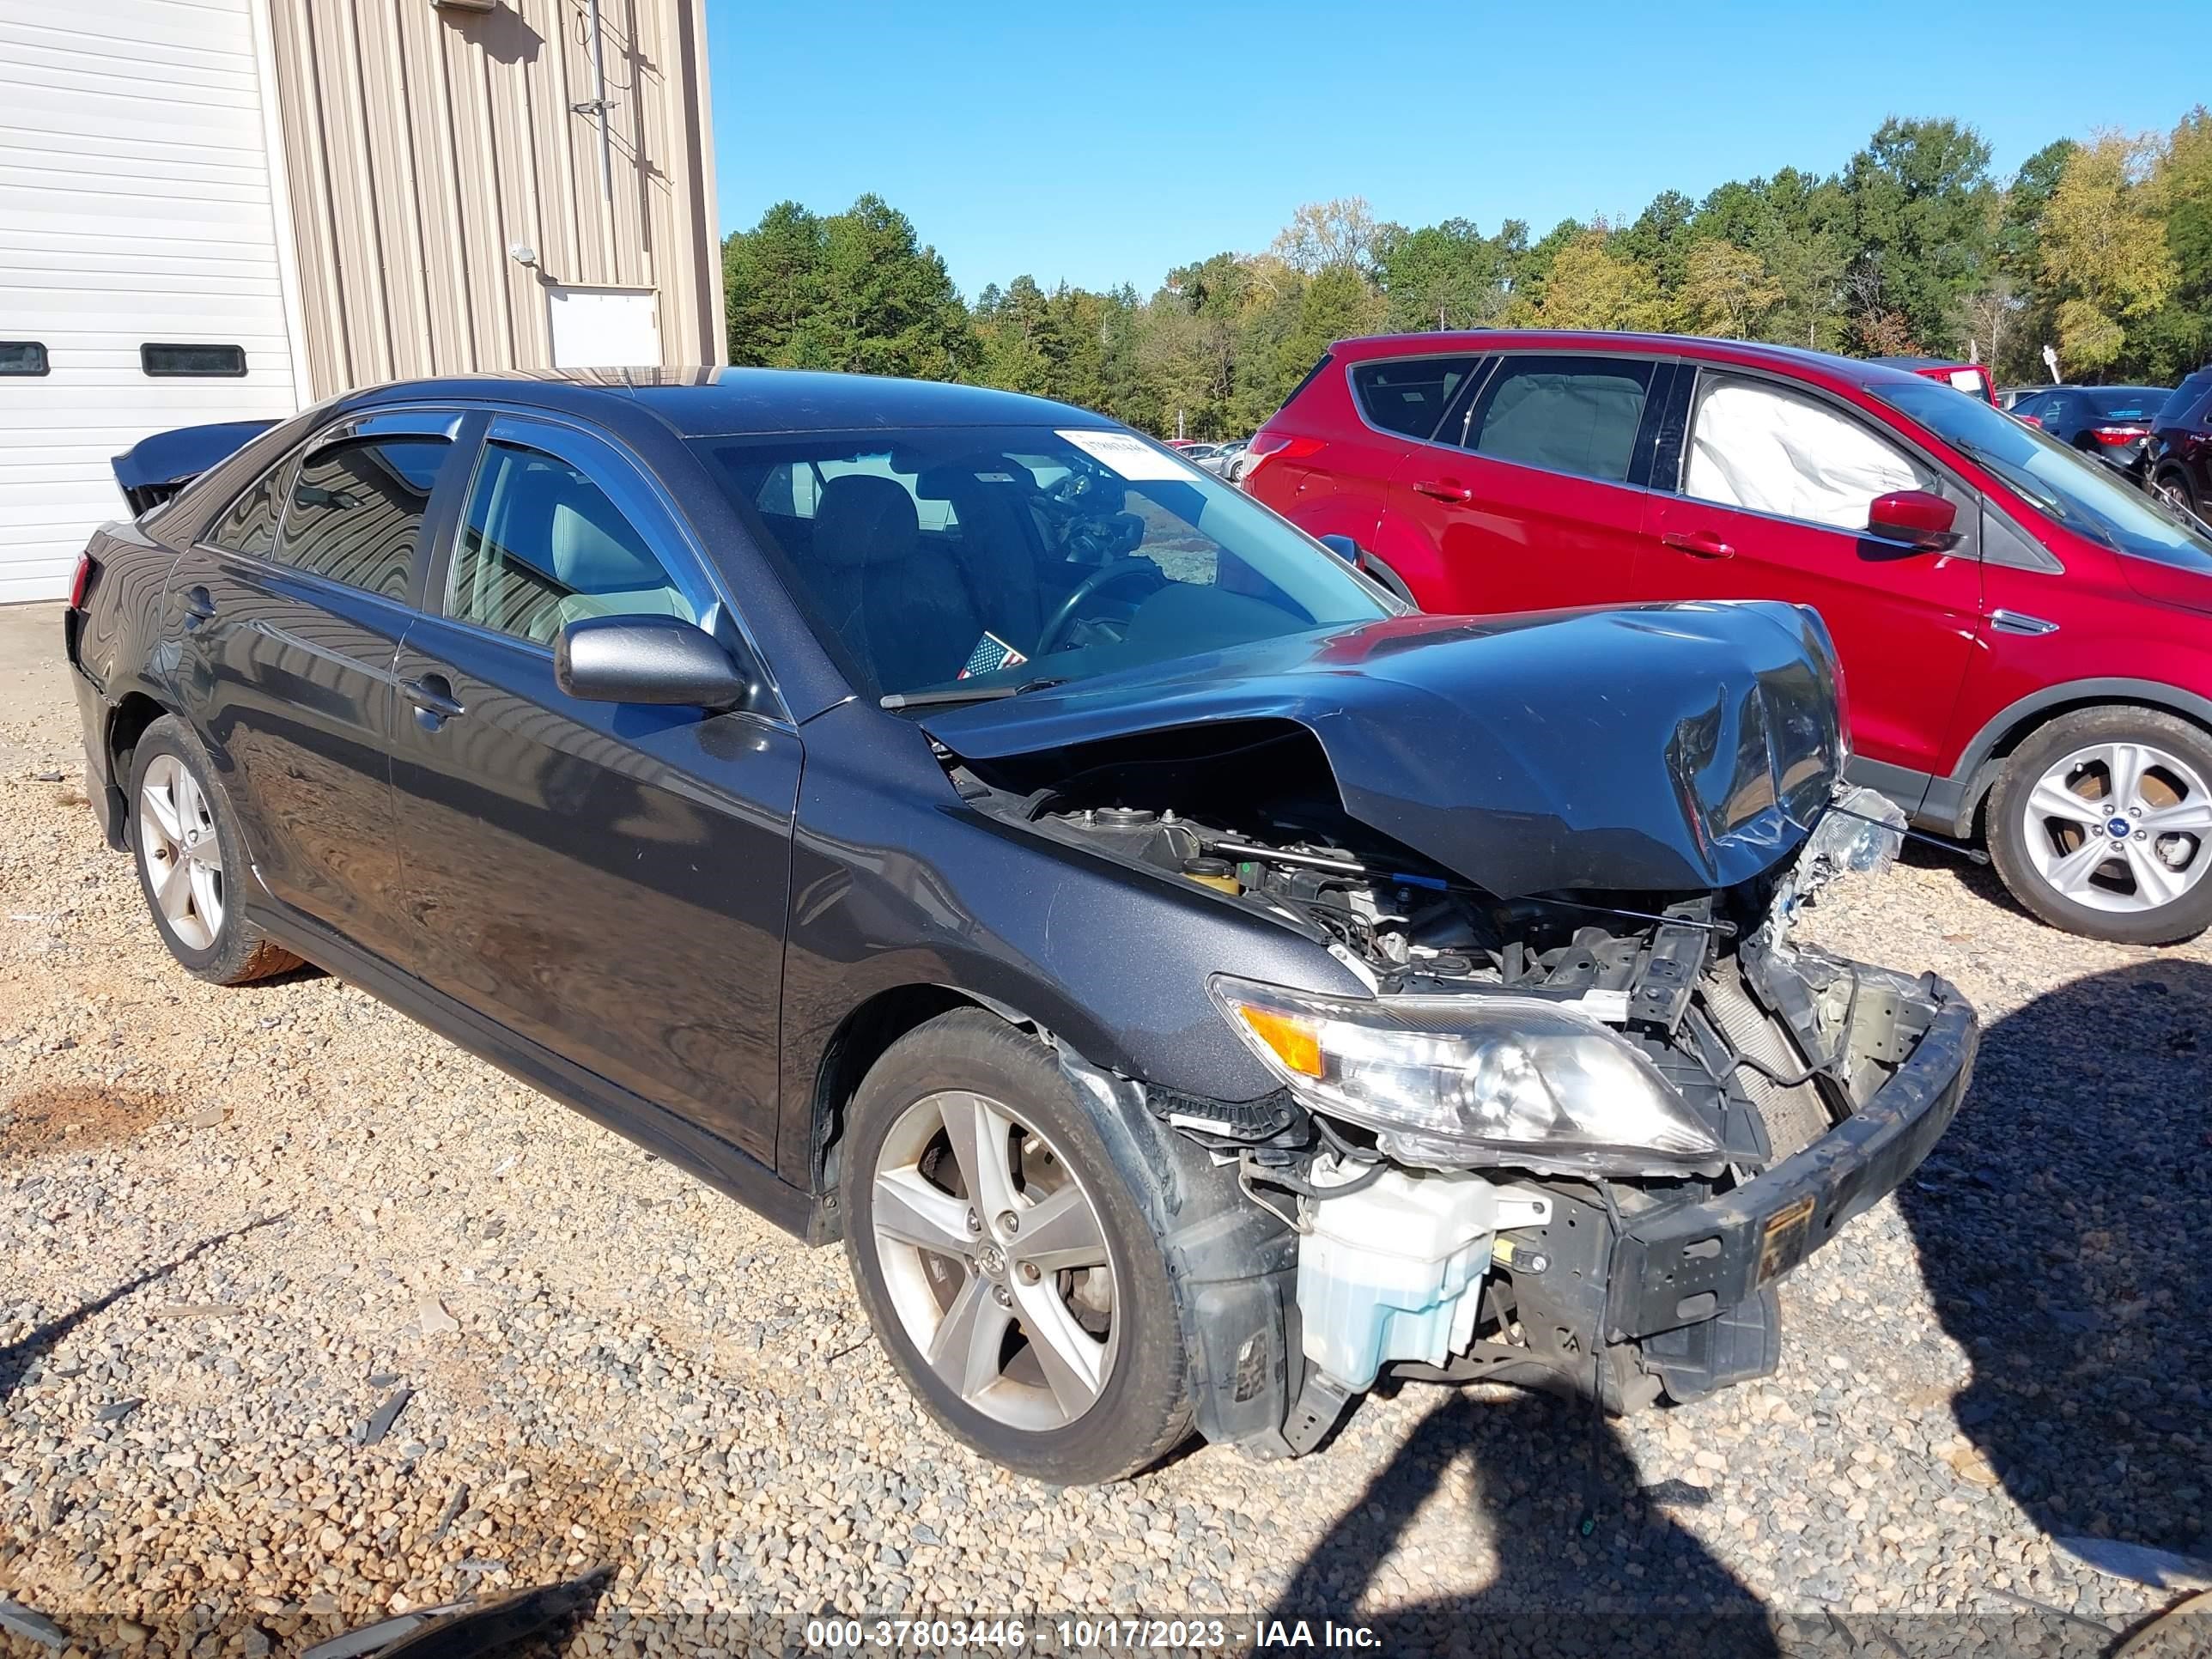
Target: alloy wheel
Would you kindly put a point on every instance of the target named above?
(995, 1258)
(181, 852)
(2121, 826)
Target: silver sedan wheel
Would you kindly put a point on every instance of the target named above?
(181, 852)
(2125, 827)
(996, 1261)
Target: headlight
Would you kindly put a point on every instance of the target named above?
(1446, 1079)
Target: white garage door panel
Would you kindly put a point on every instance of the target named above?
(135, 206)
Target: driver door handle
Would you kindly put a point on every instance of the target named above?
(1444, 490)
(1698, 545)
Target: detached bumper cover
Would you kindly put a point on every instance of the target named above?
(1689, 1263)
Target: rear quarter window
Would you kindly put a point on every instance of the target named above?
(1409, 395)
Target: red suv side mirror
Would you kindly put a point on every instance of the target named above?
(1918, 518)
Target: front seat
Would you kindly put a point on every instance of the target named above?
(905, 611)
(597, 553)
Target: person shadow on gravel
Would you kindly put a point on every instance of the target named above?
(1584, 1562)
(2064, 1226)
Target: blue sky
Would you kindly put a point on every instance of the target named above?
(1104, 143)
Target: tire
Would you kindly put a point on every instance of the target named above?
(2173, 487)
(181, 822)
(1137, 1407)
(2155, 886)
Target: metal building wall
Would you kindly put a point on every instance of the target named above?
(421, 143)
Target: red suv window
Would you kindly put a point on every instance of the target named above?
(1409, 395)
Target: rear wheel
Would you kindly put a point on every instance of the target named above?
(2172, 489)
(2102, 824)
(1012, 1272)
(190, 858)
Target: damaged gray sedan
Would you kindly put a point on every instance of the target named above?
(1191, 985)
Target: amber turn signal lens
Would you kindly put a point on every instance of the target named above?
(1295, 1042)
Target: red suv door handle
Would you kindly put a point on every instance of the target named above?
(1444, 490)
(1700, 544)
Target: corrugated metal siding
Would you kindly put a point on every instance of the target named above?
(135, 206)
(423, 144)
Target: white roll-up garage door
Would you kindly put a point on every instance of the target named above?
(136, 210)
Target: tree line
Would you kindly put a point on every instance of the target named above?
(2100, 248)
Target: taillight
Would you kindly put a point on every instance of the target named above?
(2119, 435)
(81, 583)
(1266, 446)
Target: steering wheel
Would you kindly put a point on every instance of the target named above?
(1064, 613)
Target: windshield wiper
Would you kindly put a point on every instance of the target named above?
(961, 694)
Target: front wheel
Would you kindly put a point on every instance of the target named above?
(2101, 824)
(1012, 1272)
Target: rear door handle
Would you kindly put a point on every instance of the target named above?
(1699, 545)
(1444, 490)
(199, 606)
(434, 700)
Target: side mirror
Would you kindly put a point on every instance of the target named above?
(1343, 546)
(1917, 518)
(649, 660)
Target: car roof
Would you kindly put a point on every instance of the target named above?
(719, 402)
(1790, 360)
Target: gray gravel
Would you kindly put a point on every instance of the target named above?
(307, 1317)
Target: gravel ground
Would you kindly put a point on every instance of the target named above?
(239, 1228)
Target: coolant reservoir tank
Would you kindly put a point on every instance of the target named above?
(1394, 1272)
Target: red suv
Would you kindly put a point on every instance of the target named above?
(2028, 638)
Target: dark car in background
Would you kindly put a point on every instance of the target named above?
(2178, 459)
(1193, 983)
(2024, 634)
(2111, 423)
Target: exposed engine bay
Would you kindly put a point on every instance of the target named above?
(1619, 1266)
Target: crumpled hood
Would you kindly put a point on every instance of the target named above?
(1665, 747)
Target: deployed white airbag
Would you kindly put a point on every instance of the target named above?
(1770, 451)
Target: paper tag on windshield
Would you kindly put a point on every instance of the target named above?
(1131, 457)
(990, 656)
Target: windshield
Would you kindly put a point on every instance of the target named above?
(2086, 496)
(982, 559)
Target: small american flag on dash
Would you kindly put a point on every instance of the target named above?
(990, 656)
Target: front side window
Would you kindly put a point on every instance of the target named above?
(1409, 395)
(1566, 414)
(356, 511)
(2084, 494)
(542, 546)
(930, 558)
(1767, 449)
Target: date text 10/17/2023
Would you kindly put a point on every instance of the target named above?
(1082, 1635)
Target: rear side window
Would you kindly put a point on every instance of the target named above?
(248, 525)
(355, 512)
(1565, 414)
(1409, 395)
(22, 357)
(541, 546)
